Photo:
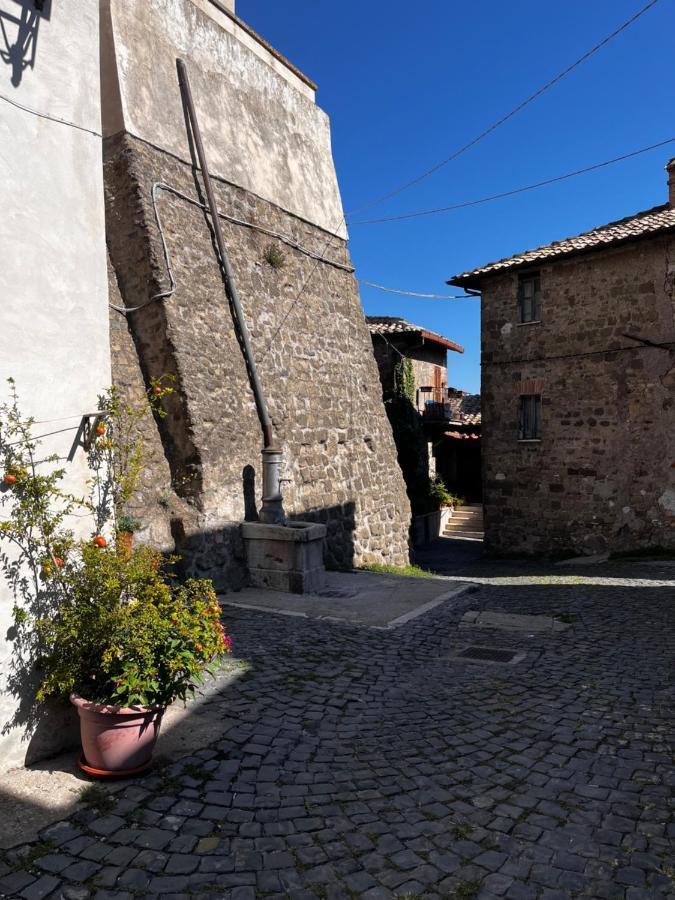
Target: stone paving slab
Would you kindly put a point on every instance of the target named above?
(35, 797)
(487, 618)
(361, 598)
(353, 762)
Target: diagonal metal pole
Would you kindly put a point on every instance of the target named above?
(272, 511)
(230, 286)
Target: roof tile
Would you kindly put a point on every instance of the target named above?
(650, 221)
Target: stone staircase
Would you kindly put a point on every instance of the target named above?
(466, 524)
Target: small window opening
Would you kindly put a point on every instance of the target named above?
(529, 297)
(530, 418)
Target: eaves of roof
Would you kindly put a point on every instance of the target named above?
(645, 224)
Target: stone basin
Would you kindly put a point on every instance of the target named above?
(285, 557)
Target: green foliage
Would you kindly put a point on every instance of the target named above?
(128, 524)
(440, 496)
(107, 624)
(467, 890)
(119, 454)
(274, 256)
(404, 379)
(126, 636)
(385, 569)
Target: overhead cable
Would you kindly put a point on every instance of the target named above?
(511, 114)
(511, 193)
(381, 287)
(42, 115)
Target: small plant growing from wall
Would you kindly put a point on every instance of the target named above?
(274, 256)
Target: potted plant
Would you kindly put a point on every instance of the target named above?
(124, 645)
(113, 631)
(126, 527)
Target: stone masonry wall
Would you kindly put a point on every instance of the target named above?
(424, 359)
(603, 475)
(313, 352)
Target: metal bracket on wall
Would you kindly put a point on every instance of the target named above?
(86, 432)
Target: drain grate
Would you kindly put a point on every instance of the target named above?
(489, 654)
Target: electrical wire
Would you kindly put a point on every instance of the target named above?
(329, 240)
(274, 234)
(41, 115)
(163, 295)
(511, 114)
(381, 287)
(666, 345)
(511, 193)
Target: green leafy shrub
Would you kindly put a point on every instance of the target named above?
(124, 635)
(126, 523)
(109, 624)
(440, 496)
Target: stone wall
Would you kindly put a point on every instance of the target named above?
(424, 360)
(313, 352)
(603, 475)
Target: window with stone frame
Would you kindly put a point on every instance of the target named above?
(529, 297)
(529, 428)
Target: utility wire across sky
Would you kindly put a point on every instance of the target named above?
(509, 115)
(511, 193)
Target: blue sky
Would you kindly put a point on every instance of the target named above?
(406, 84)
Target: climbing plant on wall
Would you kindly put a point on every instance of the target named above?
(404, 376)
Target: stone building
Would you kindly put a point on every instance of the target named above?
(81, 170)
(439, 434)
(395, 339)
(268, 147)
(458, 448)
(578, 390)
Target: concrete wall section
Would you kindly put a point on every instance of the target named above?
(54, 335)
(603, 475)
(261, 127)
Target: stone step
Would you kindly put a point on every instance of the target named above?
(466, 520)
(472, 531)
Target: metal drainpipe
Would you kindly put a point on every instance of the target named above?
(272, 511)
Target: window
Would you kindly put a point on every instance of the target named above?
(530, 418)
(529, 297)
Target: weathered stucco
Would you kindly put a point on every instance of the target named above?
(54, 336)
(602, 475)
(262, 129)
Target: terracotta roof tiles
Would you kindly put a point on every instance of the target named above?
(394, 325)
(642, 224)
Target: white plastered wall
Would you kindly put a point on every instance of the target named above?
(53, 287)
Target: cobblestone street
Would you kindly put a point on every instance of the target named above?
(375, 764)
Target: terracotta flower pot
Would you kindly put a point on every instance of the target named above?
(116, 740)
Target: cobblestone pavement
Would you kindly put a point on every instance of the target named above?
(362, 763)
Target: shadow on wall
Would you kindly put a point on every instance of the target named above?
(19, 27)
(412, 451)
(219, 554)
(340, 522)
